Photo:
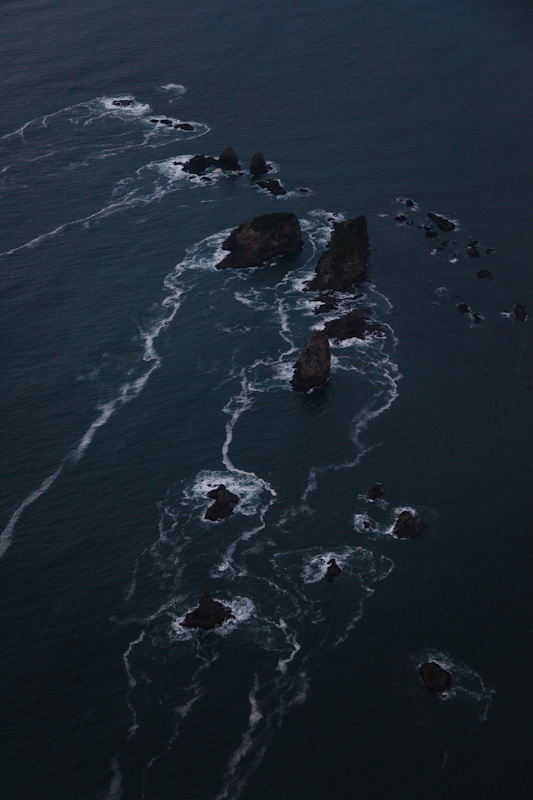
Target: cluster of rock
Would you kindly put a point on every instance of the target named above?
(170, 123)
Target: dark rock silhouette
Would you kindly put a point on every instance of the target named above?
(400, 217)
(344, 262)
(258, 165)
(484, 273)
(199, 163)
(520, 312)
(184, 126)
(228, 160)
(431, 234)
(375, 492)
(352, 325)
(327, 303)
(407, 526)
(471, 249)
(444, 224)
(476, 316)
(273, 186)
(314, 363)
(165, 121)
(260, 239)
(333, 571)
(464, 308)
(224, 504)
(122, 102)
(434, 677)
(209, 614)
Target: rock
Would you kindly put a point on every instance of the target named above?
(228, 159)
(314, 363)
(304, 190)
(407, 526)
(489, 250)
(520, 312)
(122, 103)
(375, 492)
(352, 325)
(344, 262)
(224, 504)
(471, 249)
(400, 217)
(258, 165)
(444, 224)
(154, 120)
(327, 303)
(166, 122)
(484, 273)
(198, 164)
(209, 614)
(476, 316)
(273, 186)
(333, 570)
(432, 234)
(260, 239)
(434, 677)
(409, 203)
(464, 308)
(184, 126)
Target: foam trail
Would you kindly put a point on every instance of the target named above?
(132, 683)
(115, 787)
(7, 534)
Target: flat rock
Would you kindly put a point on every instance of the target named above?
(444, 224)
(333, 571)
(434, 677)
(408, 526)
(314, 364)
(484, 273)
(352, 325)
(344, 262)
(209, 614)
(184, 126)
(273, 186)
(224, 503)
(375, 492)
(260, 239)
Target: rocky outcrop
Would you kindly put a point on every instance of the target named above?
(260, 239)
(444, 224)
(209, 614)
(333, 571)
(434, 677)
(344, 262)
(224, 503)
(228, 160)
(352, 325)
(520, 312)
(408, 526)
(375, 492)
(314, 364)
(471, 249)
(198, 164)
(258, 165)
(327, 303)
(273, 186)
(123, 102)
(184, 126)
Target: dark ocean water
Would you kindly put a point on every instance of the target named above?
(136, 376)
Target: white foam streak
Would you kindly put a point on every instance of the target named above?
(132, 683)
(7, 534)
(115, 787)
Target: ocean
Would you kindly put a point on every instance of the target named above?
(137, 377)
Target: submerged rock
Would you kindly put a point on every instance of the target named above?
(209, 614)
(407, 526)
(123, 102)
(375, 492)
(352, 325)
(260, 239)
(228, 160)
(484, 273)
(333, 570)
(273, 186)
(314, 364)
(520, 312)
(258, 165)
(434, 677)
(224, 504)
(444, 224)
(344, 262)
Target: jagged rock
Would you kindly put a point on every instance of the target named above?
(464, 308)
(434, 677)
(520, 312)
(122, 103)
(258, 165)
(199, 163)
(327, 303)
(352, 325)
(471, 249)
(273, 186)
(344, 262)
(375, 492)
(333, 571)
(407, 526)
(209, 614)
(484, 273)
(224, 503)
(409, 203)
(260, 239)
(228, 160)
(314, 363)
(184, 126)
(444, 224)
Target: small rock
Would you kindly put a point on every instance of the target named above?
(463, 308)
(434, 677)
(375, 492)
(333, 570)
(471, 249)
(209, 614)
(489, 250)
(304, 189)
(166, 121)
(122, 103)
(484, 273)
(407, 526)
(476, 316)
(400, 217)
(432, 234)
(198, 164)
(520, 312)
(154, 120)
(184, 126)
(224, 504)
(260, 239)
(273, 186)
(352, 325)
(444, 224)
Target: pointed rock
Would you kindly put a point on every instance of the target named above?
(333, 571)
(352, 325)
(209, 614)
(224, 504)
(443, 223)
(258, 165)
(344, 262)
(228, 160)
(375, 492)
(313, 366)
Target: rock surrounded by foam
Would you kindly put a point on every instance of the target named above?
(408, 526)
(444, 224)
(333, 571)
(209, 614)
(260, 239)
(258, 165)
(273, 186)
(344, 262)
(435, 678)
(224, 503)
(314, 364)
(352, 325)
(375, 492)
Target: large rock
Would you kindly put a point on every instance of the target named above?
(260, 239)
(444, 224)
(407, 526)
(228, 160)
(209, 614)
(258, 165)
(313, 366)
(352, 325)
(224, 503)
(199, 163)
(344, 262)
(434, 677)
(333, 571)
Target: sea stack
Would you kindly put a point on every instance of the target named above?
(314, 363)
(261, 239)
(408, 526)
(434, 677)
(224, 503)
(209, 614)
(228, 160)
(258, 165)
(333, 571)
(344, 262)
